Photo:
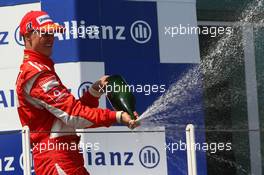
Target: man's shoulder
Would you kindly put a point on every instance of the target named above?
(34, 66)
(30, 68)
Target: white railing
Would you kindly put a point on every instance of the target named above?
(191, 154)
(190, 142)
(26, 150)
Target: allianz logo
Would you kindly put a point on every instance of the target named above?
(7, 98)
(139, 31)
(148, 157)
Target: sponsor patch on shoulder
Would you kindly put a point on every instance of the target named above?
(49, 83)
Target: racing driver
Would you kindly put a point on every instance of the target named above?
(48, 108)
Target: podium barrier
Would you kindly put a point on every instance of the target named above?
(26, 150)
(190, 142)
(191, 152)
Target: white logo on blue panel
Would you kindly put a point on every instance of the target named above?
(140, 31)
(83, 88)
(149, 157)
(18, 38)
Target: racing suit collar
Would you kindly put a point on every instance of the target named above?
(30, 55)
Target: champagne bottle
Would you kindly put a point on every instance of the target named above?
(119, 95)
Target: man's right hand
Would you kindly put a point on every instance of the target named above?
(100, 84)
(126, 120)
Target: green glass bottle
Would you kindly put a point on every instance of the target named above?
(119, 95)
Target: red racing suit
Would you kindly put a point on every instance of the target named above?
(46, 105)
